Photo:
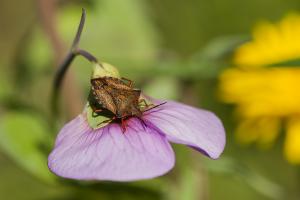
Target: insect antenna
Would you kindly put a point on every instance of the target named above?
(155, 106)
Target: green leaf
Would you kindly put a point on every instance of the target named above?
(23, 137)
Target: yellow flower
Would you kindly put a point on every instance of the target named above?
(267, 98)
(271, 43)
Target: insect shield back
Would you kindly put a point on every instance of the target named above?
(100, 70)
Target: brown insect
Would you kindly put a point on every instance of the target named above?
(118, 97)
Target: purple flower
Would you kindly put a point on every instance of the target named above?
(143, 151)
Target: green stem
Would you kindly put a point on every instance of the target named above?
(62, 69)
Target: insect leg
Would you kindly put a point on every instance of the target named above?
(109, 120)
(105, 121)
(96, 111)
(155, 106)
(123, 125)
(97, 83)
(130, 82)
(143, 101)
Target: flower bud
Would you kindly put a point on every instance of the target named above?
(104, 69)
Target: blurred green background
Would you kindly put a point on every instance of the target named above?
(172, 49)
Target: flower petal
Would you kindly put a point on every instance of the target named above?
(109, 154)
(194, 127)
(292, 141)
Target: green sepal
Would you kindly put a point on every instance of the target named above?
(104, 69)
(95, 122)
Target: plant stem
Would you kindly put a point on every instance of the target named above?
(62, 69)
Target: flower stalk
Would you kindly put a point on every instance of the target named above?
(62, 69)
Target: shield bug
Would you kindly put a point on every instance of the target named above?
(118, 97)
